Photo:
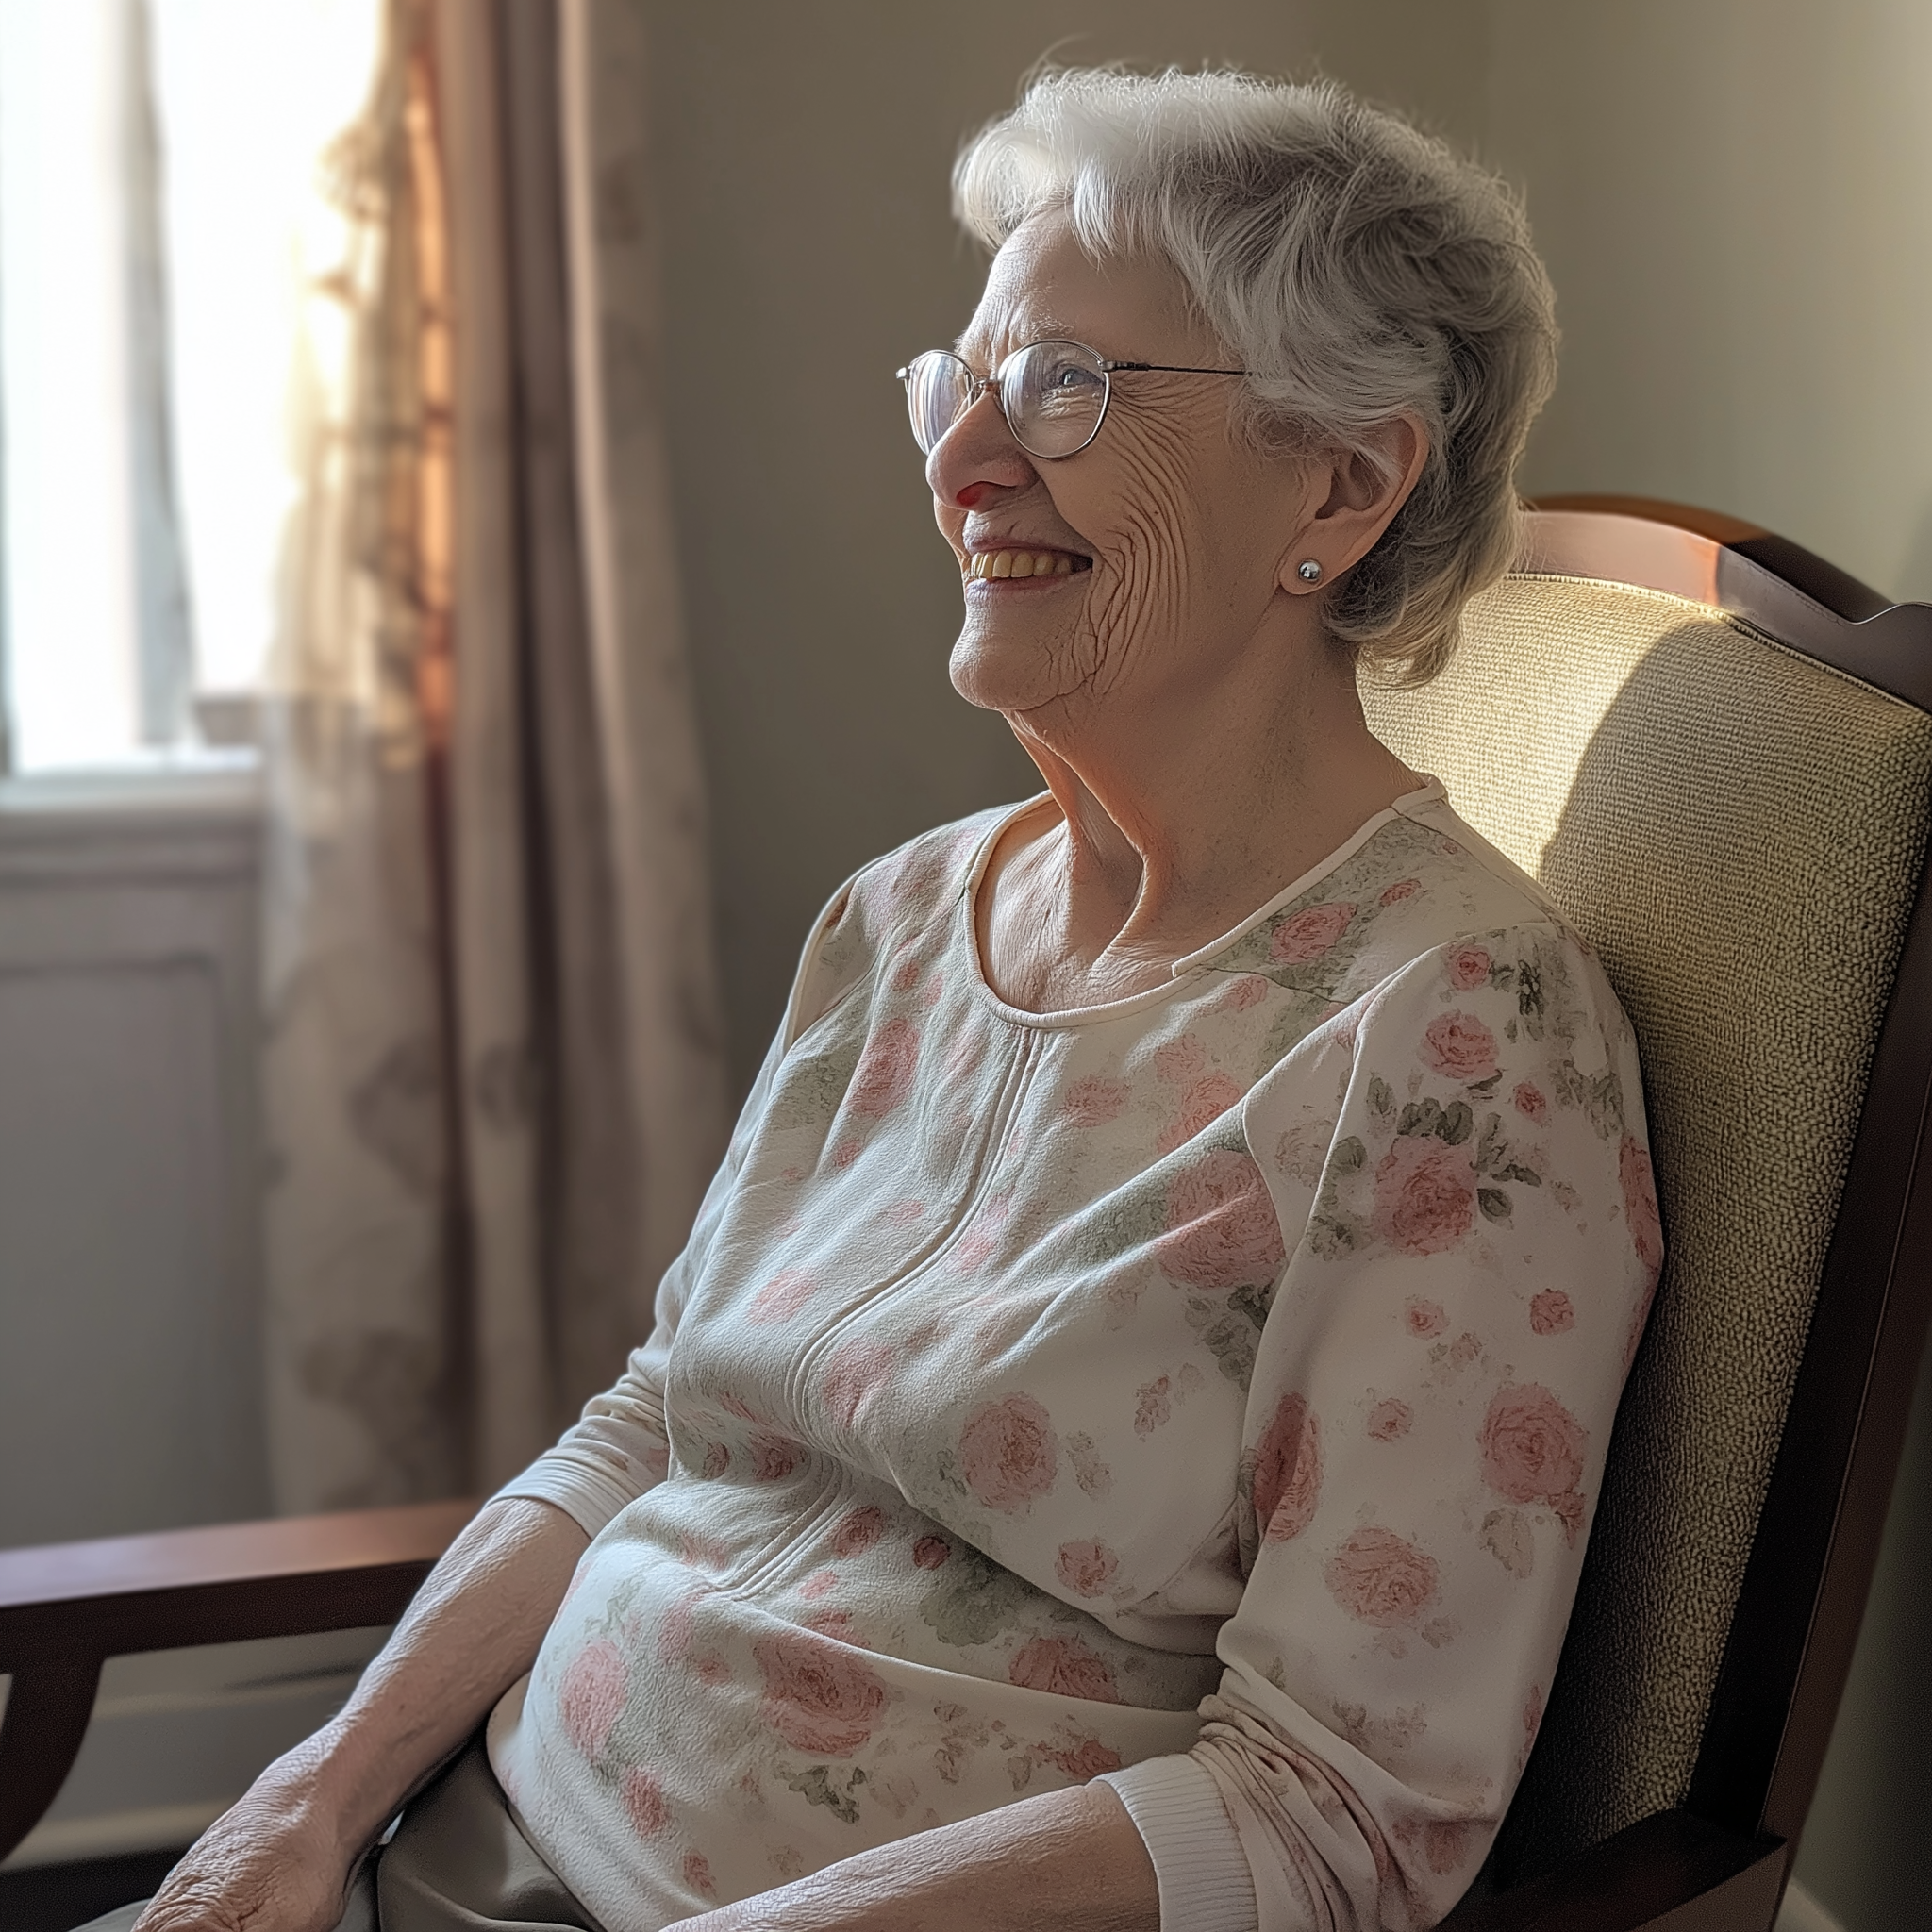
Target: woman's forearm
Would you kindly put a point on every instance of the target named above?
(1068, 1861)
(473, 1630)
(280, 1858)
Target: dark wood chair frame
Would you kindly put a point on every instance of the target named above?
(1719, 1862)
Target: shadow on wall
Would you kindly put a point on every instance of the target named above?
(1915, 570)
(1871, 1808)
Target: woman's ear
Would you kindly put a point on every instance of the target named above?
(1361, 500)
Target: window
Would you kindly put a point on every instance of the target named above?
(168, 350)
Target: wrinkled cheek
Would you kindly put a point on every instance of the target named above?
(1103, 638)
(1140, 598)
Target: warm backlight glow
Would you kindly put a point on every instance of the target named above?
(248, 95)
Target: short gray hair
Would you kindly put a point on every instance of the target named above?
(1359, 267)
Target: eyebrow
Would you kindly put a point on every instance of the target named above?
(1041, 328)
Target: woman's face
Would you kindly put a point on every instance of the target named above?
(1180, 534)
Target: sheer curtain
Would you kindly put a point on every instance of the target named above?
(493, 1064)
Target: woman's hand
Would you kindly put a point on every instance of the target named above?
(281, 1859)
(273, 1862)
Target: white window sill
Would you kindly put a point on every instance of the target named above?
(227, 785)
(178, 820)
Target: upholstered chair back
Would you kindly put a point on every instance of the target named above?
(1739, 830)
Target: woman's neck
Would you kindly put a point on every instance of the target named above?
(1173, 823)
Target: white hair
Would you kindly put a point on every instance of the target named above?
(1354, 266)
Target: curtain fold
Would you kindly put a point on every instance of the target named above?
(645, 704)
(489, 1127)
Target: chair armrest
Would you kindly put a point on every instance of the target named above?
(66, 1608)
(1671, 1873)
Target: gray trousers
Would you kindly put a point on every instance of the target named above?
(458, 1864)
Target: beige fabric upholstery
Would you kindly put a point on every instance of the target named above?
(1738, 830)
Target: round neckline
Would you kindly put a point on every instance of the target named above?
(1179, 971)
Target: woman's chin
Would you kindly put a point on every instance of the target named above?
(1001, 673)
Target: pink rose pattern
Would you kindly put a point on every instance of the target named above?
(1008, 1453)
(1382, 1579)
(1203, 1104)
(643, 1802)
(1639, 1208)
(818, 1697)
(783, 1296)
(1288, 1471)
(1181, 1059)
(884, 1070)
(773, 1459)
(1460, 1047)
(982, 1465)
(858, 1529)
(1424, 1195)
(1086, 1568)
(852, 1372)
(1307, 935)
(1221, 1228)
(1532, 1451)
(1094, 1101)
(1065, 1667)
(594, 1689)
(1246, 990)
(1552, 1313)
(1388, 1420)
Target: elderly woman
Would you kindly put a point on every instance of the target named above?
(1118, 1449)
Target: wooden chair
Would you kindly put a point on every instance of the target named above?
(66, 1608)
(1717, 752)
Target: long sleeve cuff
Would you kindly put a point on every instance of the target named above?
(1198, 1861)
(579, 1484)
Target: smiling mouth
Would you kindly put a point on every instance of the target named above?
(996, 566)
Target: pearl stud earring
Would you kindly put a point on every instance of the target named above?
(1308, 571)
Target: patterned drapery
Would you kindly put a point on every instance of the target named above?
(493, 1072)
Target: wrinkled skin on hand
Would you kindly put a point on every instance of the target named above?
(271, 1863)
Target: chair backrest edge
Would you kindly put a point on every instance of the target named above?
(1817, 1539)
(1818, 1535)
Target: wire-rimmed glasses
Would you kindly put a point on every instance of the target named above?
(1053, 393)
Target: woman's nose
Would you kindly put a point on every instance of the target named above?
(978, 453)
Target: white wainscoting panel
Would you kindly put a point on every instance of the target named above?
(129, 1264)
(129, 1332)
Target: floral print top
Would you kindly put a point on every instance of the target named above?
(1208, 1390)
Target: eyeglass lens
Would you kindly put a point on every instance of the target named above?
(1054, 396)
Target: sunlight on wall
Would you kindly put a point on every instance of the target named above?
(1734, 200)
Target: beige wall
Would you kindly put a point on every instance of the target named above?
(808, 253)
(1735, 198)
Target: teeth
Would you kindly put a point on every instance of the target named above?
(998, 564)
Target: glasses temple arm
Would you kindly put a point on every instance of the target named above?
(1168, 368)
